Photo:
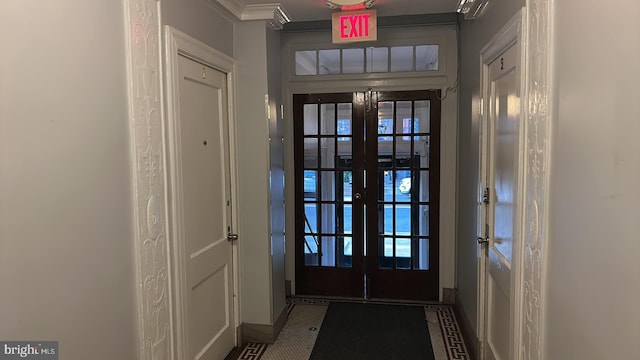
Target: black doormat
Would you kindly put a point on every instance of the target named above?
(356, 331)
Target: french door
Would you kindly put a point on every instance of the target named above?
(367, 190)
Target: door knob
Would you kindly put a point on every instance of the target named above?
(357, 196)
(232, 237)
(482, 240)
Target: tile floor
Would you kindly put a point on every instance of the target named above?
(298, 336)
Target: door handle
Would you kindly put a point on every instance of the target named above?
(232, 237)
(482, 240)
(357, 196)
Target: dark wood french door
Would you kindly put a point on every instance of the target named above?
(367, 191)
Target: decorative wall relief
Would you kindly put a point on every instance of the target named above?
(537, 171)
(146, 118)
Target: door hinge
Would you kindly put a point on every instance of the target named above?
(485, 195)
(485, 239)
(232, 237)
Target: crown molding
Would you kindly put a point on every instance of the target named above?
(236, 7)
(275, 15)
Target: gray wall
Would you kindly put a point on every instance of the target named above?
(593, 266)
(253, 173)
(474, 35)
(201, 20)
(66, 231)
(276, 134)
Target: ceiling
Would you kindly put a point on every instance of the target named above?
(309, 10)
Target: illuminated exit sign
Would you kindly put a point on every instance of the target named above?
(352, 26)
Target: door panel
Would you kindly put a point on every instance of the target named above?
(503, 150)
(405, 172)
(205, 187)
(397, 246)
(329, 182)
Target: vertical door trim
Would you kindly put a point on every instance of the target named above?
(180, 44)
(512, 34)
(156, 337)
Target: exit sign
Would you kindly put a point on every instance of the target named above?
(353, 26)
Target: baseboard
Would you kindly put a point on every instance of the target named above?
(470, 339)
(280, 322)
(448, 296)
(261, 333)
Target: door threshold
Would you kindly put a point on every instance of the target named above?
(313, 299)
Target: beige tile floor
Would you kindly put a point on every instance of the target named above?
(298, 336)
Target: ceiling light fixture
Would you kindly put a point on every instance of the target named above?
(350, 4)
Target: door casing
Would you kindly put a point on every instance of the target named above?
(513, 34)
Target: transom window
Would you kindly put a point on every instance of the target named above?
(406, 58)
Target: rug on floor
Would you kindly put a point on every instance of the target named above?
(365, 331)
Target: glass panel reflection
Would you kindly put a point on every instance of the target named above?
(421, 260)
(306, 62)
(311, 257)
(328, 119)
(328, 254)
(311, 119)
(346, 252)
(385, 251)
(352, 61)
(329, 62)
(423, 220)
(403, 253)
(328, 152)
(403, 219)
(328, 185)
(427, 57)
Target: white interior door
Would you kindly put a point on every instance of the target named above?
(502, 203)
(203, 152)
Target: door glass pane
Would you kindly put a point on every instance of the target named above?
(377, 59)
(385, 219)
(347, 185)
(352, 61)
(422, 114)
(403, 253)
(385, 121)
(306, 62)
(347, 219)
(345, 114)
(311, 257)
(421, 260)
(403, 185)
(422, 148)
(401, 58)
(311, 217)
(310, 184)
(329, 62)
(385, 185)
(423, 181)
(427, 57)
(328, 119)
(328, 185)
(328, 218)
(328, 152)
(311, 119)
(423, 220)
(345, 255)
(328, 254)
(385, 257)
(403, 219)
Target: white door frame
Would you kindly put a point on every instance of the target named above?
(513, 33)
(178, 43)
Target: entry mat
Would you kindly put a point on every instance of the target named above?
(342, 337)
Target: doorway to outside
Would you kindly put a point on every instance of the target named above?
(367, 194)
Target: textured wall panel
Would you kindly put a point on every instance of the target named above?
(536, 172)
(146, 117)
